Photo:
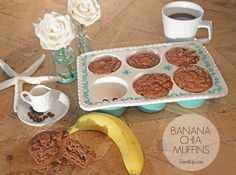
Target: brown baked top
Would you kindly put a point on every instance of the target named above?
(143, 60)
(181, 56)
(193, 78)
(105, 65)
(77, 153)
(44, 147)
(153, 85)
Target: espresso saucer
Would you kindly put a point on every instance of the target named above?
(59, 109)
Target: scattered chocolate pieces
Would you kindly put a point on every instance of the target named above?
(39, 116)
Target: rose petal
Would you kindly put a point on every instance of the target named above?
(85, 12)
(55, 31)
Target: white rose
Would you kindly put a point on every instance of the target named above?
(55, 31)
(85, 12)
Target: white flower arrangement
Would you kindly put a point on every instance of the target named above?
(85, 12)
(55, 31)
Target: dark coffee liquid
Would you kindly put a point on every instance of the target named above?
(182, 16)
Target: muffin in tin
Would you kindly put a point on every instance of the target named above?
(153, 85)
(143, 60)
(193, 78)
(104, 65)
(181, 56)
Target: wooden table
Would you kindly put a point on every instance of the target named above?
(123, 23)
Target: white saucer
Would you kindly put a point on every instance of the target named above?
(59, 108)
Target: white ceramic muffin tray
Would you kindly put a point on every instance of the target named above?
(118, 85)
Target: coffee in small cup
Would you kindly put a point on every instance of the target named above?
(182, 16)
(181, 21)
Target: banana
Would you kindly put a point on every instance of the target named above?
(119, 132)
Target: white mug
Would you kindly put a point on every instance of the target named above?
(182, 19)
(40, 98)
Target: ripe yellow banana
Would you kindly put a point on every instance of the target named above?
(119, 132)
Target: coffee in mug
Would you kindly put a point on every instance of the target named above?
(182, 16)
(182, 19)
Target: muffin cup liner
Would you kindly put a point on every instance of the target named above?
(115, 90)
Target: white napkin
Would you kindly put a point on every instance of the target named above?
(19, 79)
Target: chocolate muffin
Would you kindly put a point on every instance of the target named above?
(193, 78)
(77, 154)
(153, 85)
(181, 56)
(143, 60)
(105, 65)
(44, 147)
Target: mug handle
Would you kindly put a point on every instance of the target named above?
(27, 100)
(207, 25)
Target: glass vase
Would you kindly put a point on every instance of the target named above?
(83, 41)
(65, 64)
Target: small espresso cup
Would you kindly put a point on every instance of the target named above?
(182, 19)
(40, 98)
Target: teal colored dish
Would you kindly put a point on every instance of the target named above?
(117, 111)
(191, 103)
(152, 108)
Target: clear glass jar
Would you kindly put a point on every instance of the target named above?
(65, 64)
(83, 40)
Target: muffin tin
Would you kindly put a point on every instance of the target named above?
(115, 90)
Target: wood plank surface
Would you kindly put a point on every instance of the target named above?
(123, 23)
